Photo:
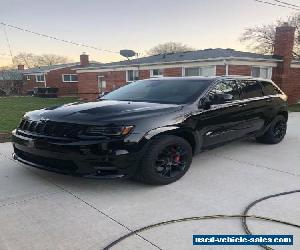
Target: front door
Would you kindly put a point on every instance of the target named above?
(221, 121)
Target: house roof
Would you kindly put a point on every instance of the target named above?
(15, 75)
(45, 69)
(197, 55)
(11, 75)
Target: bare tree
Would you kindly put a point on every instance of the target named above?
(51, 59)
(31, 60)
(261, 39)
(169, 47)
(27, 59)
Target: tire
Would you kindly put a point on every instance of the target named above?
(167, 159)
(276, 131)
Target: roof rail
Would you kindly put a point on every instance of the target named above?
(234, 76)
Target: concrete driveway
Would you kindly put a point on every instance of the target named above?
(42, 210)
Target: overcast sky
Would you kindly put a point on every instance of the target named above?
(132, 24)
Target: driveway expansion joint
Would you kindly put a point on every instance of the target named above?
(255, 165)
(101, 212)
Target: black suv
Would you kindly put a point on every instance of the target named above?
(150, 129)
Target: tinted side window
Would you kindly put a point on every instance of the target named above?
(250, 89)
(270, 89)
(226, 87)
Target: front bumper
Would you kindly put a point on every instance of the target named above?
(89, 158)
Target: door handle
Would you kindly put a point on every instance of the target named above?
(269, 100)
(242, 105)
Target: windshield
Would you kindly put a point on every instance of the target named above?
(173, 91)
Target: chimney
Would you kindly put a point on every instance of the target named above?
(20, 67)
(84, 60)
(284, 41)
(283, 48)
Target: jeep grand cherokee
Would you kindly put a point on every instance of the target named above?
(150, 129)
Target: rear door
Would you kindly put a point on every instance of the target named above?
(254, 106)
(273, 100)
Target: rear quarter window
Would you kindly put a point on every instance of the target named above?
(269, 88)
(250, 89)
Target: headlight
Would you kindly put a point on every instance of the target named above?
(109, 131)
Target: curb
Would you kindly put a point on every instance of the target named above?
(5, 137)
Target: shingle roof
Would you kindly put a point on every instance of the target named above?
(43, 69)
(15, 75)
(11, 75)
(190, 56)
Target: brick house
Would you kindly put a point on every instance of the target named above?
(281, 67)
(61, 76)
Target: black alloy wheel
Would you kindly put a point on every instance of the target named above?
(171, 161)
(276, 131)
(279, 129)
(166, 160)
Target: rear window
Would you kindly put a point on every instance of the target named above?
(269, 88)
(250, 89)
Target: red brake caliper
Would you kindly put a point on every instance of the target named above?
(177, 158)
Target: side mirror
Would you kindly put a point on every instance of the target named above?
(205, 103)
(222, 98)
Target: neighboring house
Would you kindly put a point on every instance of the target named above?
(11, 81)
(61, 76)
(280, 67)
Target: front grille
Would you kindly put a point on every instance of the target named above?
(62, 166)
(51, 128)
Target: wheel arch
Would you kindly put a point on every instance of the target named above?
(190, 136)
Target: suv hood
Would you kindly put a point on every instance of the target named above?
(103, 111)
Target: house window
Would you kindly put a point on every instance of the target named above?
(192, 72)
(200, 71)
(132, 75)
(262, 72)
(70, 78)
(101, 84)
(156, 73)
(40, 78)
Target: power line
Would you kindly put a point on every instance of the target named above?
(8, 44)
(278, 5)
(286, 3)
(57, 39)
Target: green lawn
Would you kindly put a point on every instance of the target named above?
(13, 108)
(295, 108)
